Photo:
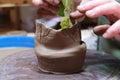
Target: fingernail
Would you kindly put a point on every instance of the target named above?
(90, 13)
(57, 1)
(37, 2)
(76, 14)
(106, 35)
(81, 7)
(73, 13)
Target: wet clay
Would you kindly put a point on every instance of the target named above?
(59, 51)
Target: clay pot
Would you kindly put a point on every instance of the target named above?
(59, 51)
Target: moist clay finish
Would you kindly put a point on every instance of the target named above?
(59, 51)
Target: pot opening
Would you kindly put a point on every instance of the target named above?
(58, 25)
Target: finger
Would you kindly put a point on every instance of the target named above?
(91, 4)
(37, 2)
(106, 9)
(53, 2)
(117, 37)
(84, 2)
(76, 14)
(112, 18)
(78, 2)
(46, 6)
(113, 30)
(101, 29)
(51, 8)
(40, 3)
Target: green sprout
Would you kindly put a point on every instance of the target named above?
(65, 9)
(65, 23)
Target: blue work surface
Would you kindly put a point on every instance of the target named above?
(16, 41)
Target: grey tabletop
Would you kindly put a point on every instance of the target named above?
(23, 66)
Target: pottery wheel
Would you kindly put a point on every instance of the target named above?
(23, 66)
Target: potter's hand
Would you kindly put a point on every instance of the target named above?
(50, 5)
(96, 8)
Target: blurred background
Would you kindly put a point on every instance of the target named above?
(21, 15)
(17, 17)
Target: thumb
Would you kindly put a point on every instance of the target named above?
(84, 2)
(53, 2)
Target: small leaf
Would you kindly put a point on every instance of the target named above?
(65, 23)
(66, 8)
(61, 10)
(64, 2)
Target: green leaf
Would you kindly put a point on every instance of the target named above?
(64, 2)
(65, 9)
(69, 7)
(65, 23)
(61, 10)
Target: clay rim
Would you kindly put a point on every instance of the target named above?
(59, 30)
